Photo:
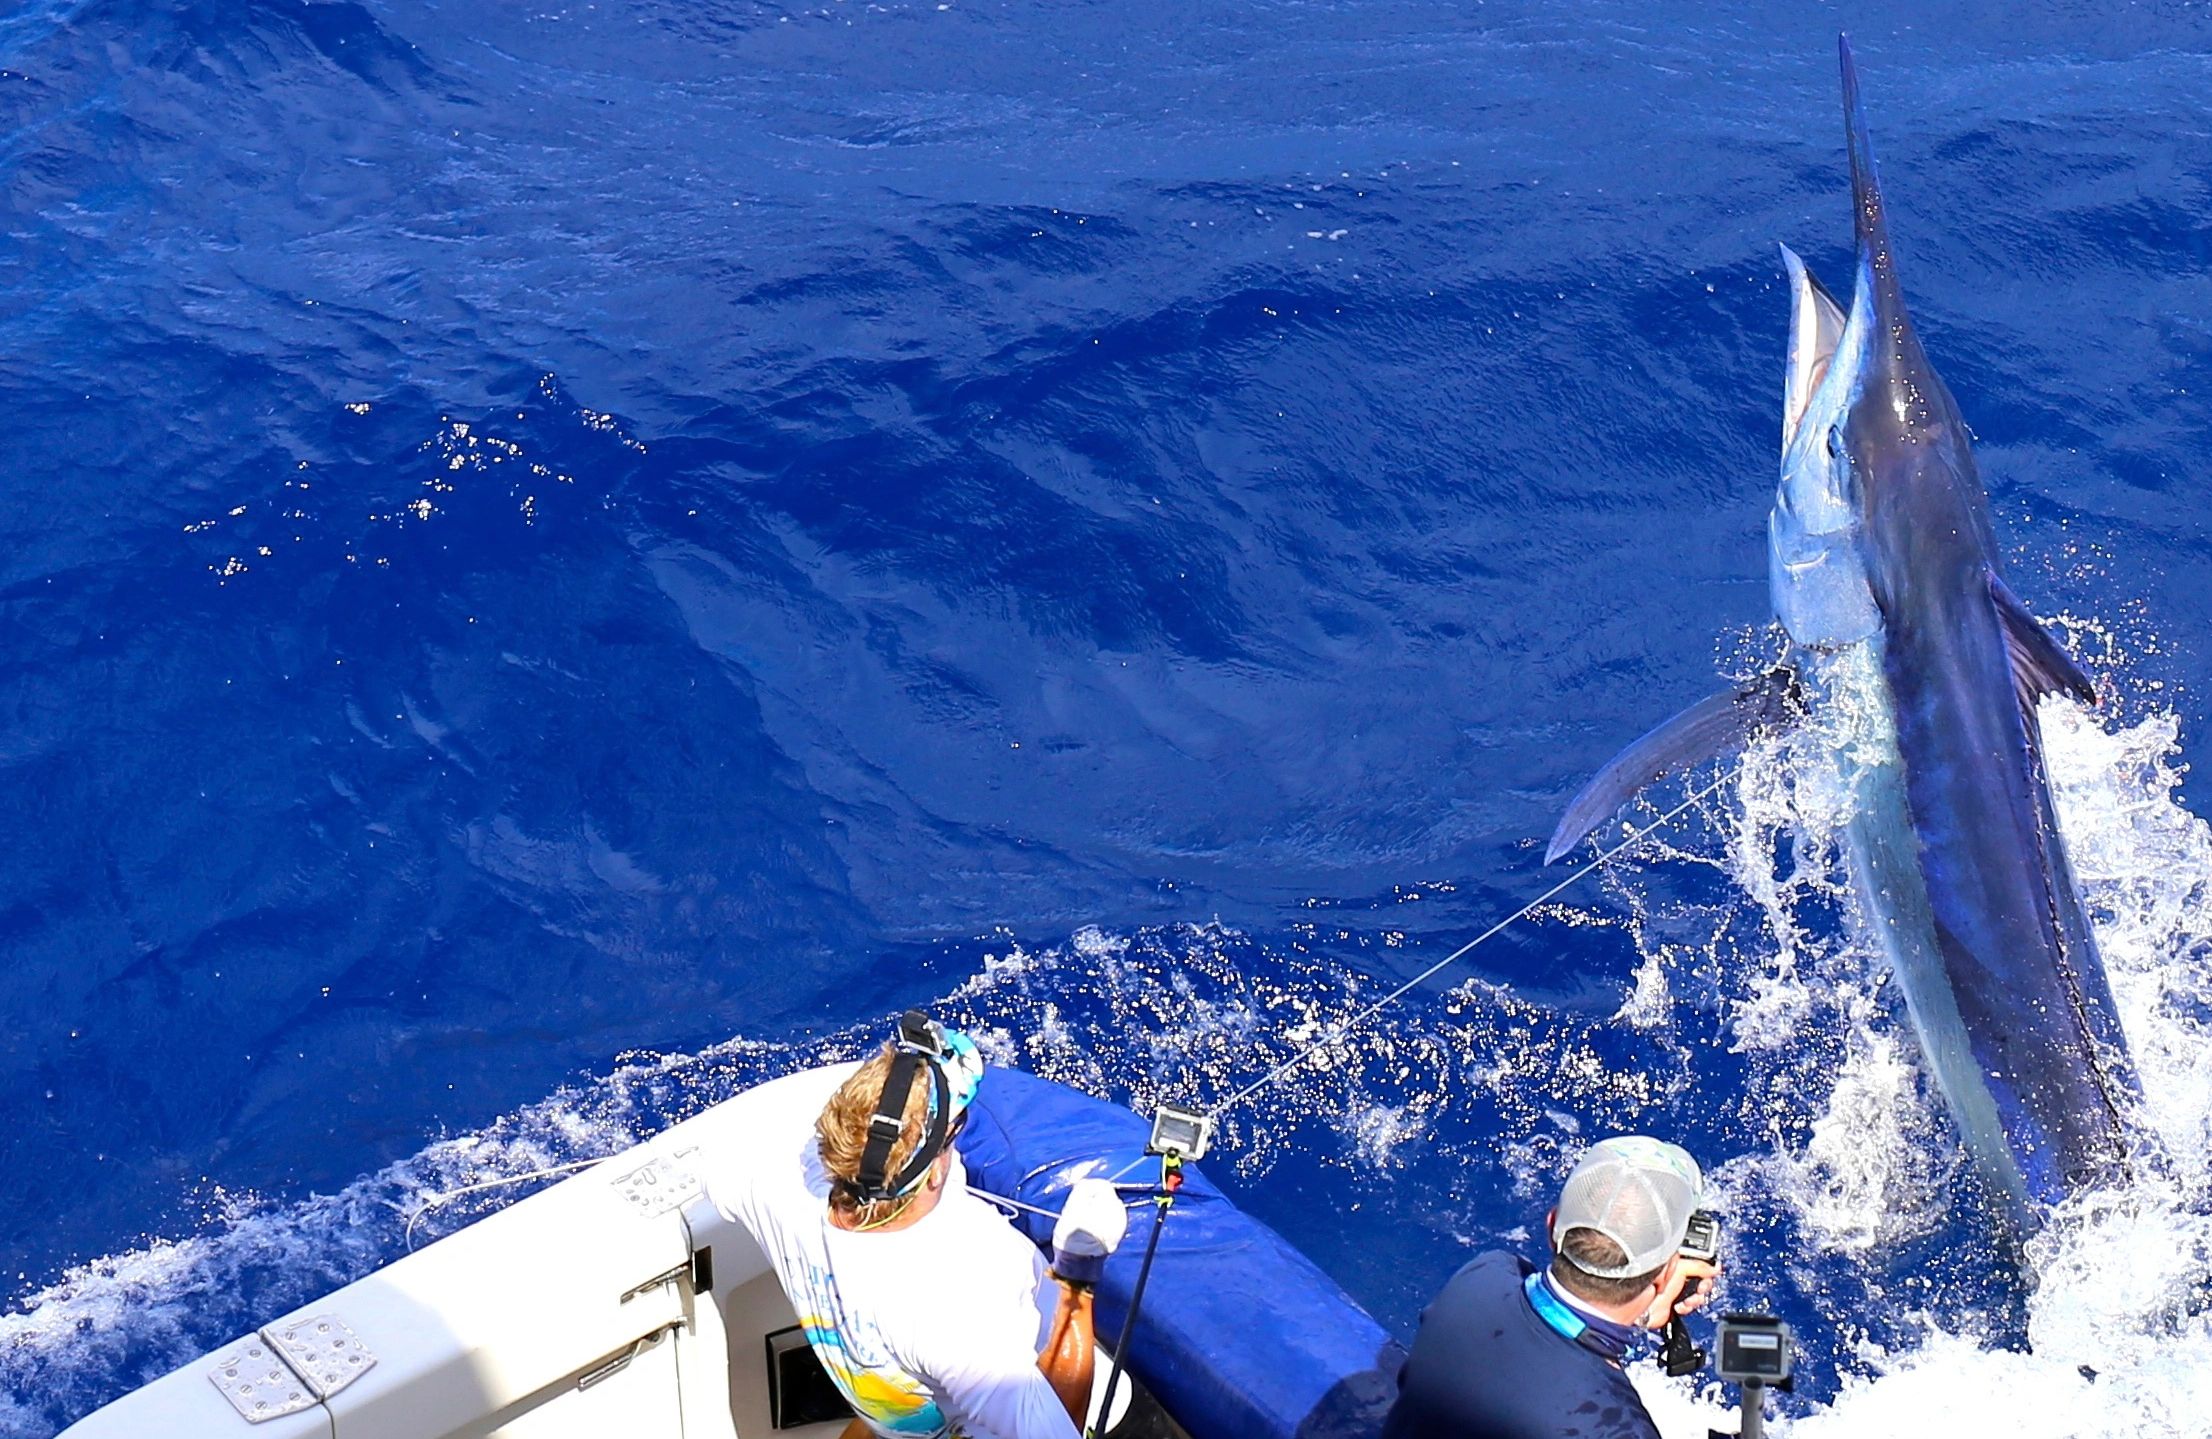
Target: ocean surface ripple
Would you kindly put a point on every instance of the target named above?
(558, 560)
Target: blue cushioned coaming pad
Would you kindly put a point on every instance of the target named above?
(1240, 1336)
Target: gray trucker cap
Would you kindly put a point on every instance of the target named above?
(1638, 1192)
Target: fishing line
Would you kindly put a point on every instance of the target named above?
(1144, 1193)
(1273, 1076)
(1343, 1030)
(438, 1201)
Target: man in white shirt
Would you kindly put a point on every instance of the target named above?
(927, 1308)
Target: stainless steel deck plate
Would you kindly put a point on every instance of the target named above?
(662, 1183)
(259, 1384)
(323, 1349)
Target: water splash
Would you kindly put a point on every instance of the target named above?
(1831, 1135)
(2118, 1335)
(1854, 1195)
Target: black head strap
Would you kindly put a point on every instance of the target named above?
(919, 1044)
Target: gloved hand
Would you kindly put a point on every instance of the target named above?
(1092, 1221)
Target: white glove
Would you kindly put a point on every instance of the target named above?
(1092, 1221)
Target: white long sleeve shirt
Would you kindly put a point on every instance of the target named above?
(931, 1330)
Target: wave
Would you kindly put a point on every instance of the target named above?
(1457, 1115)
(1180, 1013)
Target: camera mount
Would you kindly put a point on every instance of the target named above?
(1756, 1352)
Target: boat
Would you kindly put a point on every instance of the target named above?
(619, 1304)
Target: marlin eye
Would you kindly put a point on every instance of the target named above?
(1844, 475)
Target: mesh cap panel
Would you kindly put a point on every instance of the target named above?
(1636, 1191)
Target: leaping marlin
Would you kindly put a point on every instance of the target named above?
(1883, 567)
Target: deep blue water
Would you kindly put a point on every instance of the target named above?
(541, 540)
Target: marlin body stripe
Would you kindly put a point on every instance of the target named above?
(1885, 574)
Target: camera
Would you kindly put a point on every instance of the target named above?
(1701, 1240)
(920, 1034)
(1180, 1132)
(1755, 1349)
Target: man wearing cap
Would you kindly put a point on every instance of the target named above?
(1506, 1351)
(930, 1312)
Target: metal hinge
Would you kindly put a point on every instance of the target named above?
(679, 1273)
(290, 1367)
(606, 1369)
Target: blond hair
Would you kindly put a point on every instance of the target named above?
(841, 1135)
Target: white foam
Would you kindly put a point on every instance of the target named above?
(1869, 1178)
(1678, 1407)
(1650, 1002)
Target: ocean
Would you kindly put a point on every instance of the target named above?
(560, 559)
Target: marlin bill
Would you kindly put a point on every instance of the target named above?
(1885, 574)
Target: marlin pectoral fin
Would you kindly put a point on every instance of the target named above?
(2040, 665)
(1706, 730)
